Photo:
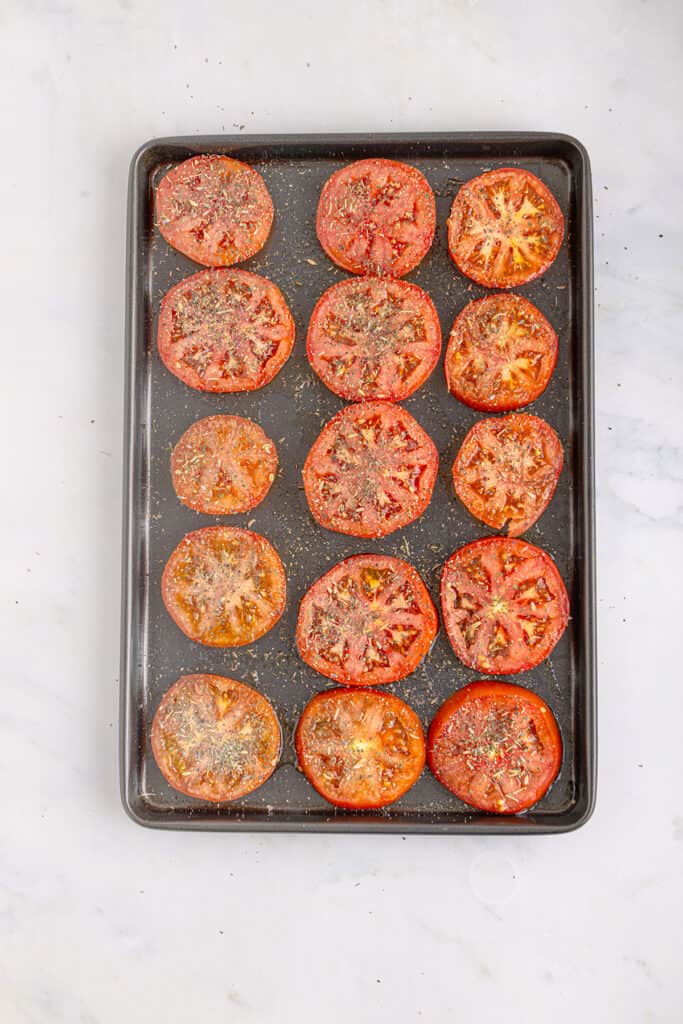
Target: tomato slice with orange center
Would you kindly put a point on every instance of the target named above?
(225, 331)
(368, 621)
(223, 465)
(371, 470)
(495, 746)
(507, 470)
(374, 338)
(223, 586)
(360, 748)
(501, 353)
(504, 605)
(214, 738)
(214, 209)
(376, 217)
(505, 228)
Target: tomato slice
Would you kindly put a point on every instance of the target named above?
(214, 738)
(504, 605)
(507, 470)
(501, 353)
(224, 587)
(225, 330)
(360, 748)
(222, 465)
(496, 746)
(374, 338)
(214, 209)
(505, 228)
(371, 471)
(368, 621)
(376, 217)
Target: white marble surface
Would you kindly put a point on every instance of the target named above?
(103, 922)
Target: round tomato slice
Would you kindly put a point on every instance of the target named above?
(360, 748)
(214, 209)
(496, 746)
(214, 738)
(222, 465)
(374, 338)
(504, 605)
(368, 621)
(501, 353)
(224, 587)
(225, 330)
(376, 217)
(371, 471)
(505, 228)
(507, 470)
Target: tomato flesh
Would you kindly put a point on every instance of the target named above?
(504, 605)
(360, 748)
(223, 586)
(214, 738)
(505, 228)
(214, 209)
(376, 217)
(368, 621)
(507, 470)
(501, 353)
(495, 746)
(223, 465)
(371, 471)
(374, 338)
(225, 331)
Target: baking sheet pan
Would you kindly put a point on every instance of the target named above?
(292, 410)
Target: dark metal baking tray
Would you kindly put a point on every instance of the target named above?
(292, 410)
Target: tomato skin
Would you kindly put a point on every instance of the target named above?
(346, 760)
(376, 216)
(224, 586)
(191, 741)
(199, 339)
(374, 314)
(200, 208)
(345, 496)
(220, 447)
(517, 457)
(504, 605)
(505, 228)
(348, 602)
(488, 339)
(494, 725)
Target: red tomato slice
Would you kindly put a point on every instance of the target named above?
(360, 748)
(376, 217)
(507, 470)
(214, 738)
(225, 330)
(504, 605)
(371, 470)
(496, 746)
(214, 209)
(505, 228)
(224, 587)
(222, 465)
(368, 621)
(374, 338)
(501, 353)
